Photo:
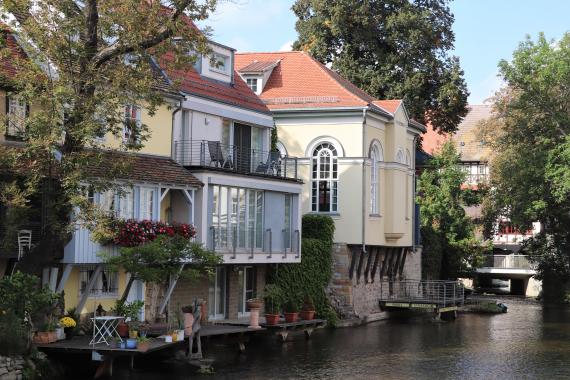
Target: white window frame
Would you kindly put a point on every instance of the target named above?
(145, 214)
(97, 290)
(16, 112)
(217, 314)
(374, 180)
(242, 291)
(217, 58)
(323, 152)
(252, 83)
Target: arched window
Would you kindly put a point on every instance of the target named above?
(324, 195)
(408, 158)
(282, 150)
(375, 157)
(400, 156)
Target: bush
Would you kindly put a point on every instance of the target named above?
(13, 334)
(319, 227)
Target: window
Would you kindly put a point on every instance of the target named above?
(237, 217)
(325, 178)
(126, 204)
(131, 129)
(105, 285)
(17, 111)
(477, 172)
(217, 294)
(252, 83)
(400, 156)
(107, 201)
(287, 222)
(220, 63)
(247, 278)
(147, 204)
(374, 185)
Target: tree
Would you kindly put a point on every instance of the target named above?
(391, 49)
(158, 260)
(530, 134)
(80, 62)
(448, 234)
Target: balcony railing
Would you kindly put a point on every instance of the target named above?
(508, 262)
(253, 241)
(213, 154)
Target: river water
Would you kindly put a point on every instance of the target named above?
(529, 342)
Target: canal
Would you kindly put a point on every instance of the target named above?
(530, 341)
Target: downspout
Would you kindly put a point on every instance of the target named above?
(414, 216)
(364, 156)
(176, 110)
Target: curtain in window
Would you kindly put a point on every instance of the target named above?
(324, 194)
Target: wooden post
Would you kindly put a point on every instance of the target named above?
(368, 263)
(170, 290)
(89, 287)
(64, 277)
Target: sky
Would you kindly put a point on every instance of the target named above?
(486, 31)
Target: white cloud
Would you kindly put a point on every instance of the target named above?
(287, 46)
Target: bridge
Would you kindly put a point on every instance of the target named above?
(518, 269)
(441, 297)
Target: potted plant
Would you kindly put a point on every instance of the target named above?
(308, 310)
(51, 327)
(188, 322)
(68, 324)
(143, 343)
(254, 306)
(291, 311)
(254, 303)
(131, 312)
(131, 343)
(272, 295)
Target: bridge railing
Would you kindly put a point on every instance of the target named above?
(440, 293)
(508, 262)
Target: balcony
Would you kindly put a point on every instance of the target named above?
(253, 244)
(234, 159)
(508, 266)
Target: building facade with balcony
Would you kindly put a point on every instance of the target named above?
(249, 208)
(356, 159)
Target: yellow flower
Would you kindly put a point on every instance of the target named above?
(67, 322)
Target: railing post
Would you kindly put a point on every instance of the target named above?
(285, 160)
(296, 167)
(202, 153)
(284, 232)
(234, 241)
(213, 229)
(252, 243)
(444, 295)
(270, 243)
(298, 243)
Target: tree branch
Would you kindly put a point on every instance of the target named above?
(113, 51)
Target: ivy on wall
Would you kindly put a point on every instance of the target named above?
(311, 277)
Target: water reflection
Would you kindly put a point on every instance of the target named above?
(526, 343)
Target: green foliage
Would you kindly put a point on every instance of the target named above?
(161, 258)
(274, 139)
(319, 227)
(450, 246)
(529, 134)
(273, 297)
(308, 278)
(128, 309)
(13, 334)
(392, 49)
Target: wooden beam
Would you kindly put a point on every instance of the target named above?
(64, 277)
(368, 263)
(387, 254)
(361, 254)
(163, 195)
(397, 263)
(376, 261)
(170, 290)
(352, 264)
(407, 251)
(89, 287)
(54, 271)
(393, 256)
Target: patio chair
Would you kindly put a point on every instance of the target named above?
(272, 166)
(217, 155)
(24, 242)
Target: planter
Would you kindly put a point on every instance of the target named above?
(180, 335)
(271, 319)
(69, 332)
(254, 318)
(168, 338)
(131, 344)
(60, 334)
(307, 315)
(52, 336)
(143, 346)
(291, 317)
(123, 330)
(254, 303)
(133, 334)
(188, 322)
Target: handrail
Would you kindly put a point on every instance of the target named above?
(438, 292)
(508, 262)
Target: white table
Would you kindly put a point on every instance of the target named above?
(105, 327)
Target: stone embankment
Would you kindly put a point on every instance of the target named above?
(11, 368)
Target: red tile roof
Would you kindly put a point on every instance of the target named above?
(11, 52)
(258, 66)
(192, 83)
(389, 105)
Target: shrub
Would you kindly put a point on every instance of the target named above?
(13, 334)
(319, 227)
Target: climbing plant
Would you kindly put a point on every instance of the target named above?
(312, 276)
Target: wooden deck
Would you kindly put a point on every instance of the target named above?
(282, 329)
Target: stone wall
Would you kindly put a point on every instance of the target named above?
(358, 297)
(11, 368)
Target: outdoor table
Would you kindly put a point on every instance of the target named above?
(105, 327)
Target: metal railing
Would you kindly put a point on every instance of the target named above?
(440, 293)
(251, 240)
(508, 262)
(213, 154)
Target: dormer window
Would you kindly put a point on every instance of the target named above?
(252, 83)
(220, 63)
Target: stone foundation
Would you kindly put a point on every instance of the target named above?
(357, 297)
(11, 368)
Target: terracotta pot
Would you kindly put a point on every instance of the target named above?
(43, 336)
(143, 346)
(254, 303)
(123, 330)
(307, 314)
(271, 319)
(254, 318)
(52, 336)
(134, 334)
(291, 317)
(188, 322)
(36, 339)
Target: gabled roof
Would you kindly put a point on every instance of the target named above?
(8, 62)
(391, 105)
(190, 82)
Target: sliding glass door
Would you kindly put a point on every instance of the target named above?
(217, 294)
